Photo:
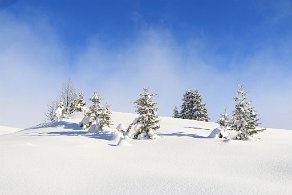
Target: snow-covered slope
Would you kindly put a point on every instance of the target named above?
(63, 159)
(7, 130)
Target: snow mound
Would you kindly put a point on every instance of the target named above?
(121, 128)
(123, 142)
(215, 133)
(117, 136)
(62, 158)
(224, 133)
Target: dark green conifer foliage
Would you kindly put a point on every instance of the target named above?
(193, 108)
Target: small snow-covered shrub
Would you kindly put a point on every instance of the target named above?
(51, 112)
(228, 133)
(60, 112)
(223, 133)
(175, 113)
(223, 120)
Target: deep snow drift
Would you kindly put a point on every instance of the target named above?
(61, 158)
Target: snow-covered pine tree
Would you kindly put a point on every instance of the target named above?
(68, 95)
(148, 118)
(202, 113)
(80, 103)
(193, 108)
(73, 106)
(240, 117)
(94, 111)
(51, 112)
(176, 113)
(77, 104)
(223, 120)
(253, 121)
(104, 118)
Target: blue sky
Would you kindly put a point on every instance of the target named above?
(234, 27)
(118, 47)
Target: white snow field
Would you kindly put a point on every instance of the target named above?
(7, 130)
(63, 159)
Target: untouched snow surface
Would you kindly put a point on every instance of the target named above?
(7, 130)
(61, 158)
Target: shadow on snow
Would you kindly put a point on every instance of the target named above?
(183, 134)
(98, 135)
(76, 130)
(198, 128)
(63, 124)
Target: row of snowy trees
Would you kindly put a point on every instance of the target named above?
(98, 118)
(68, 102)
(244, 121)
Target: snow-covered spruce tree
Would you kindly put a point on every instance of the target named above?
(147, 121)
(51, 112)
(80, 103)
(244, 118)
(240, 115)
(175, 113)
(73, 106)
(193, 108)
(104, 118)
(77, 104)
(253, 121)
(94, 111)
(68, 95)
(223, 120)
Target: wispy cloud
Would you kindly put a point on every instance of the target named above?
(34, 64)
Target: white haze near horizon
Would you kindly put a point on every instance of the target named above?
(34, 64)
